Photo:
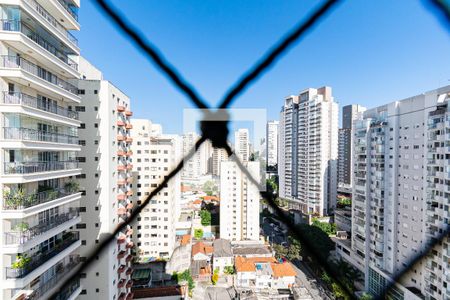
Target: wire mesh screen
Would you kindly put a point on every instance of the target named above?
(217, 132)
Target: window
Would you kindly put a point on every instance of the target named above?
(95, 92)
(81, 226)
(96, 142)
(82, 142)
(81, 159)
(96, 125)
(82, 126)
(95, 108)
(81, 92)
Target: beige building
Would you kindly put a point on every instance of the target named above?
(154, 157)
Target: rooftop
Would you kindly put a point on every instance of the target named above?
(185, 239)
(222, 248)
(251, 250)
(282, 270)
(200, 247)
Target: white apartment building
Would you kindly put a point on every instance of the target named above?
(39, 203)
(307, 160)
(218, 155)
(272, 143)
(350, 113)
(239, 202)
(401, 194)
(154, 157)
(199, 164)
(242, 144)
(105, 158)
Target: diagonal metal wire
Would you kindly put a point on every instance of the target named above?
(102, 246)
(140, 42)
(276, 53)
(306, 244)
(443, 8)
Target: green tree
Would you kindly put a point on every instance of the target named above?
(205, 217)
(229, 270)
(215, 276)
(328, 228)
(280, 251)
(294, 249)
(210, 188)
(198, 233)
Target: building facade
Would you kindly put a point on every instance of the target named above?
(345, 167)
(242, 144)
(199, 164)
(106, 161)
(155, 156)
(218, 155)
(272, 143)
(400, 193)
(239, 202)
(308, 142)
(39, 203)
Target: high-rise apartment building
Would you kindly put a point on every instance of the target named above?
(401, 195)
(218, 155)
(39, 203)
(239, 202)
(154, 157)
(345, 166)
(307, 160)
(105, 158)
(242, 144)
(199, 164)
(272, 143)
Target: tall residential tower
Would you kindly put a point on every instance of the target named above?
(307, 159)
(39, 203)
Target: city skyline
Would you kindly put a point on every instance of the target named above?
(356, 69)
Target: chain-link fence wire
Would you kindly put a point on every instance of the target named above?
(217, 133)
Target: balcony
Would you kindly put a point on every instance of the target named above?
(30, 264)
(130, 296)
(121, 284)
(122, 296)
(128, 259)
(121, 211)
(121, 239)
(29, 167)
(128, 113)
(69, 8)
(120, 123)
(129, 283)
(52, 21)
(129, 271)
(121, 182)
(120, 108)
(27, 134)
(21, 237)
(121, 269)
(130, 245)
(121, 197)
(121, 168)
(129, 126)
(30, 101)
(121, 153)
(16, 62)
(120, 138)
(130, 193)
(52, 282)
(18, 26)
(129, 140)
(121, 254)
(129, 167)
(17, 200)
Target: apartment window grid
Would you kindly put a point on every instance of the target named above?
(220, 140)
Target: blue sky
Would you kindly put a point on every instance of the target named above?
(369, 52)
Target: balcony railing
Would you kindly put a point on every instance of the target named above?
(17, 62)
(67, 292)
(52, 21)
(27, 134)
(39, 259)
(29, 167)
(21, 237)
(34, 102)
(51, 283)
(70, 9)
(16, 201)
(15, 25)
